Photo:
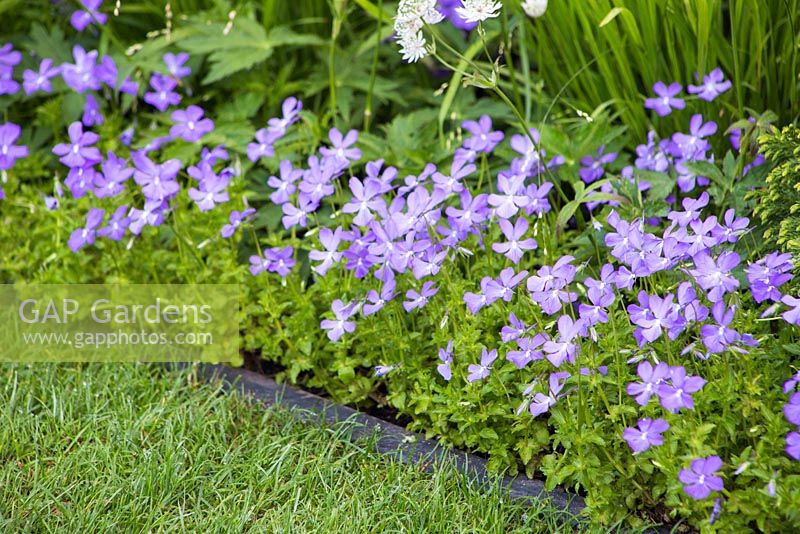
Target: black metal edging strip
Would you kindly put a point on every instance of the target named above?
(391, 440)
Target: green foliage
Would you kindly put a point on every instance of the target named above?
(604, 51)
(778, 202)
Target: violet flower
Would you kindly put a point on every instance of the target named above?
(564, 347)
(262, 148)
(651, 380)
(80, 76)
(117, 225)
(446, 356)
(512, 198)
(791, 316)
(330, 240)
(112, 180)
(482, 370)
(10, 152)
(718, 336)
(529, 349)
(291, 111)
(700, 479)
(542, 403)
(236, 218)
(91, 112)
(336, 328)
(714, 275)
(666, 100)
(419, 300)
(342, 150)
(678, 394)
(647, 435)
(593, 167)
(40, 81)
(162, 96)
(78, 152)
(514, 330)
(365, 200)
(9, 58)
(176, 64)
(86, 235)
(793, 445)
(158, 181)
(714, 85)
(90, 14)
(190, 124)
(483, 138)
(515, 246)
(792, 409)
(376, 301)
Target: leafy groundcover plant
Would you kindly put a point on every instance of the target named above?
(604, 316)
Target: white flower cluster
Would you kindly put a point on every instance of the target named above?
(478, 10)
(534, 8)
(412, 15)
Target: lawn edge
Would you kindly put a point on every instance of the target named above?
(391, 440)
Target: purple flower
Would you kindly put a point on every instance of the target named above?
(791, 316)
(81, 180)
(700, 479)
(515, 245)
(91, 112)
(793, 445)
(115, 228)
(78, 152)
(40, 81)
(262, 148)
(330, 240)
(714, 85)
(459, 170)
(152, 214)
(80, 76)
(732, 229)
(175, 64)
(528, 350)
(419, 300)
(693, 145)
(647, 435)
(376, 301)
(366, 199)
(236, 218)
(342, 150)
(162, 96)
(677, 395)
(792, 409)
(767, 275)
(85, 236)
(651, 315)
(336, 328)
(651, 379)
(513, 331)
(483, 138)
(714, 275)
(280, 260)
(476, 301)
(382, 370)
(512, 198)
(89, 15)
(718, 336)
(503, 287)
(190, 124)
(157, 180)
(593, 168)
(479, 372)
(563, 347)
(10, 152)
(446, 356)
(9, 58)
(297, 216)
(542, 403)
(291, 111)
(112, 181)
(666, 99)
(212, 187)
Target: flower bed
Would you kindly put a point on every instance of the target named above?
(604, 311)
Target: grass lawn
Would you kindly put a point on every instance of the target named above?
(137, 448)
